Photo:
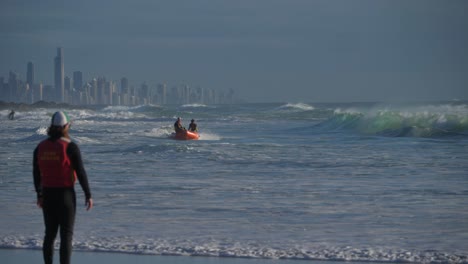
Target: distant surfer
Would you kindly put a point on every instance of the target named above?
(193, 126)
(11, 115)
(178, 126)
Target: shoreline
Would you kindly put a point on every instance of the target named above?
(20, 256)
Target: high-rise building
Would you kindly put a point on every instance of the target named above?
(124, 86)
(67, 82)
(161, 92)
(68, 89)
(78, 80)
(145, 94)
(13, 87)
(59, 71)
(109, 92)
(101, 97)
(94, 91)
(186, 94)
(30, 74)
(37, 92)
(48, 93)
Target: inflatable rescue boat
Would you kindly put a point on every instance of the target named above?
(185, 135)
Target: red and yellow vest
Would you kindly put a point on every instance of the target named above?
(54, 164)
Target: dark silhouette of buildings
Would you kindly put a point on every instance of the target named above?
(99, 91)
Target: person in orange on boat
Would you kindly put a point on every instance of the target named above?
(193, 126)
(178, 126)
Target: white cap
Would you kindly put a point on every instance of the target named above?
(60, 119)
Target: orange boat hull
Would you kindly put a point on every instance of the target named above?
(186, 135)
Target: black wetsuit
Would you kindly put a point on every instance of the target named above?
(193, 127)
(59, 206)
(178, 127)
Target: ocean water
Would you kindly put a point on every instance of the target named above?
(341, 182)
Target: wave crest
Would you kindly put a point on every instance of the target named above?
(423, 122)
(193, 105)
(297, 107)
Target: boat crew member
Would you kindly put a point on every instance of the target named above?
(193, 126)
(57, 164)
(178, 126)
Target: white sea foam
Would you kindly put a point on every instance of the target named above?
(42, 131)
(297, 106)
(119, 108)
(194, 105)
(159, 132)
(85, 140)
(232, 249)
(209, 136)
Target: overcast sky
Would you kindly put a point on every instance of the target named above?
(266, 50)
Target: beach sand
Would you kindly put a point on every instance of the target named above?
(27, 256)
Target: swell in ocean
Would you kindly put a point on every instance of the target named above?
(391, 120)
(425, 121)
(298, 181)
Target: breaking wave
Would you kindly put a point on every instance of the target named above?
(296, 107)
(423, 122)
(233, 249)
(194, 105)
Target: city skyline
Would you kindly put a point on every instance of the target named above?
(266, 50)
(99, 90)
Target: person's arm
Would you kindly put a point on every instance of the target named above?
(75, 157)
(37, 178)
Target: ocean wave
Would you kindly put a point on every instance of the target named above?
(236, 249)
(85, 140)
(116, 116)
(209, 136)
(296, 107)
(128, 113)
(160, 132)
(137, 108)
(193, 105)
(430, 121)
(39, 134)
(41, 131)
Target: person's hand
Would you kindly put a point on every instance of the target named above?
(39, 202)
(89, 204)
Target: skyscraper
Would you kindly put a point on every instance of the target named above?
(59, 76)
(124, 86)
(68, 90)
(13, 87)
(30, 74)
(77, 80)
(101, 97)
(162, 91)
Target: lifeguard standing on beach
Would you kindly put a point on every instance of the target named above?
(56, 166)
